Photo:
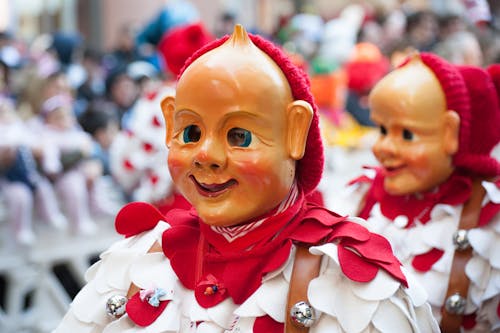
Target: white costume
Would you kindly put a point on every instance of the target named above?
(483, 269)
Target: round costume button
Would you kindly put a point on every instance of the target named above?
(302, 314)
(461, 240)
(455, 304)
(115, 306)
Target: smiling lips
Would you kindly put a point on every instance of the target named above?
(392, 170)
(213, 190)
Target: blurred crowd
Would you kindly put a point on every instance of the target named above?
(73, 118)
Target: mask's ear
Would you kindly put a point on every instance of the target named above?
(451, 133)
(168, 108)
(299, 117)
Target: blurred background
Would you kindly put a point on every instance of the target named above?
(81, 131)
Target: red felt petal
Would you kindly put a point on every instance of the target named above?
(277, 259)
(355, 267)
(128, 165)
(323, 215)
(156, 122)
(351, 230)
(153, 179)
(469, 321)
(377, 248)
(424, 262)
(209, 300)
(137, 217)
(394, 269)
(143, 313)
(487, 213)
(148, 147)
(266, 324)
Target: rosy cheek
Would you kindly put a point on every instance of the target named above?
(177, 166)
(260, 174)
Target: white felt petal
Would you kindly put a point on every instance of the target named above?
(425, 319)
(272, 298)
(152, 270)
(123, 325)
(331, 293)
(197, 313)
(326, 324)
(353, 313)
(222, 313)
(74, 325)
(482, 241)
(389, 318)
(329, 250)
(492, 288)
(322, 290)
(168, 321)
(116, 268)
(435, 283)
(90, 306)
(250, 307)
(244, 324)
(478, 271)
(92, 271)
(492, 191)
(415, 290)
(381, 287)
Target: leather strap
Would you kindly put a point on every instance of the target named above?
(459, 282)
(305, 268)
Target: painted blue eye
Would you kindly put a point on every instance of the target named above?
(383, 130)
(407, 135)
(239, 137)
(192, 133)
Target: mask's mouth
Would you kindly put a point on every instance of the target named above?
(213, 190)
(390, 170)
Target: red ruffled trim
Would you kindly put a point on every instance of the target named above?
(266, 324)
(136, 217)
(237, 268)
(141, 312)
(239, 272)
(489, 211)
(424, 262)
(469, 321)
(456, 190)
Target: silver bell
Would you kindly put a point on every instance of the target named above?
(461, 240)
(115, 306)
(302, 314)
(455, 304)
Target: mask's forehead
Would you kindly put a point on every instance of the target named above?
(240, 63)
(411, 88)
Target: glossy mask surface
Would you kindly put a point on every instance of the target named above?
(228, 149)
(418, 135)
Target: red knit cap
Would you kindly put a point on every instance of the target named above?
(470, 91)
(310, 167)
(179, 43)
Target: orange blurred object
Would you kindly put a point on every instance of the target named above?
(329, 90)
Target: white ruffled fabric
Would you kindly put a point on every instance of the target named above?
(342, 305)
(483, 269)
(149, 179)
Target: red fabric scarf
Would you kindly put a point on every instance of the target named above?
(216, 269)
(456, 190)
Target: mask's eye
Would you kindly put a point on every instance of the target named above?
(383, 130)
(407, 135)
(239, 137)
(192, 133)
